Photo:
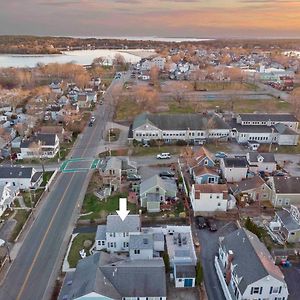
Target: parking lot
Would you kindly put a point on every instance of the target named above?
(209, 247)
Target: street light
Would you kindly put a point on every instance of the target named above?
(4, 243)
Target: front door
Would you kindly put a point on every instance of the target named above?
(188, 282)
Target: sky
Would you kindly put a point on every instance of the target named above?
(162, 18)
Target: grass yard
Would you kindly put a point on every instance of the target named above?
(153, 150)
(177, 108)
(219, 86)
(46, 177)
(77, 245)
(213, 148)
(36, 195)
(126, 109)
(21, 216)
(247, 106)
(286, 149)
(102, 208)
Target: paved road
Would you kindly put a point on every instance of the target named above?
(209, 247)
(35, 267)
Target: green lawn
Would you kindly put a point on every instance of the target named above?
(46, 177)
(77, 245)
(100, 208)
(153, 150)
(177, 108)
(219, 86)
(286, 149)
(35, 194)
(21, 217)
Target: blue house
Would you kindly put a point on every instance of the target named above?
(201, 158)
(203, 175)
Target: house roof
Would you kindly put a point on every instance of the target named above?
(211, 188)
(251, 258)
(235, 162)
(202, 170)
(287, 220)
(101, 232)
(269, 117)
(141, 241)
(283, 129)
(155, 180)
(252, 128)
(52, 129)
(137, 278)
(248, 184)
(16, 172)
(286, 185)
(132, 223)
(181, 121)
(185, 271)
(267, 157)
(89, 278)
(46, 139)
(111, 163)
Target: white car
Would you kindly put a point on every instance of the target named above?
(163, 156)
(93, 119)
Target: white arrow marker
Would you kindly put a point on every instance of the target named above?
(123, 212)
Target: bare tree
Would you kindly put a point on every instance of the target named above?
(36, 148)
(154, 73)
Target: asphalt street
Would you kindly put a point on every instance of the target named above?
(34, 270)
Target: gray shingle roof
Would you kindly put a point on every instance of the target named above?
(286, 185)
(185, 271)
(132, 223)
(101, 232)
(46, 139)
(181, 121)
(89, 278)
(15, 172)
(141, 241)
(288, 221)
(248, 184)
(155, 180)
(267, 117)
(283, 129)
(268, 157)
(234, 162)
(251, 258)
(252, 128)
(137, 278)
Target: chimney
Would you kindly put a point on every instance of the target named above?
(228, 266)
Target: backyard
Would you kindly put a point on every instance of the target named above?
(81, 241)
(20, 216)
(98, 209)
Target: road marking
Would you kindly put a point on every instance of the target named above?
(43, 240)
(48, 228)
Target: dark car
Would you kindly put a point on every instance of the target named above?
(91, 124)
(212, 226)
(201, 222)
(166, 174)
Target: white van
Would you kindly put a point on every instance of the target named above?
(163, 156)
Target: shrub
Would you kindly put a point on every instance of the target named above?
(181, 143)
(199, 273)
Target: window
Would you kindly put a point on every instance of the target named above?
(255, 290)
(219, 204)
(137, 251)
(103, 243)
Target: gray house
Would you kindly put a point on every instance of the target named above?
(106, 277)
(154, 191)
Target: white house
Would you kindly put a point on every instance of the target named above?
(184, 276)
(246, 269)
(7, 196)
(259, 162)
(234, 169)
(118, 232)
(193, 128)
(141, 246)
(41, 145)
(209, 197)
(21, 177)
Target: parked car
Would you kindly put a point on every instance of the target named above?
(212, 226)
(93, 119)
(163, 156)
(101, 102)
(280, 173)
(166, 174)
(220, 154)
(201, 222)
(90, 124)
(146, 145)
(133, 177)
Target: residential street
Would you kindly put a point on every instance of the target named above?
(36, 265)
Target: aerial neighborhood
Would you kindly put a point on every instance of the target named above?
(173, 175)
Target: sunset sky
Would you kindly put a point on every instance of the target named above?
(164, 18)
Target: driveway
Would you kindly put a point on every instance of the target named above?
(292, 277)
(209, 247)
